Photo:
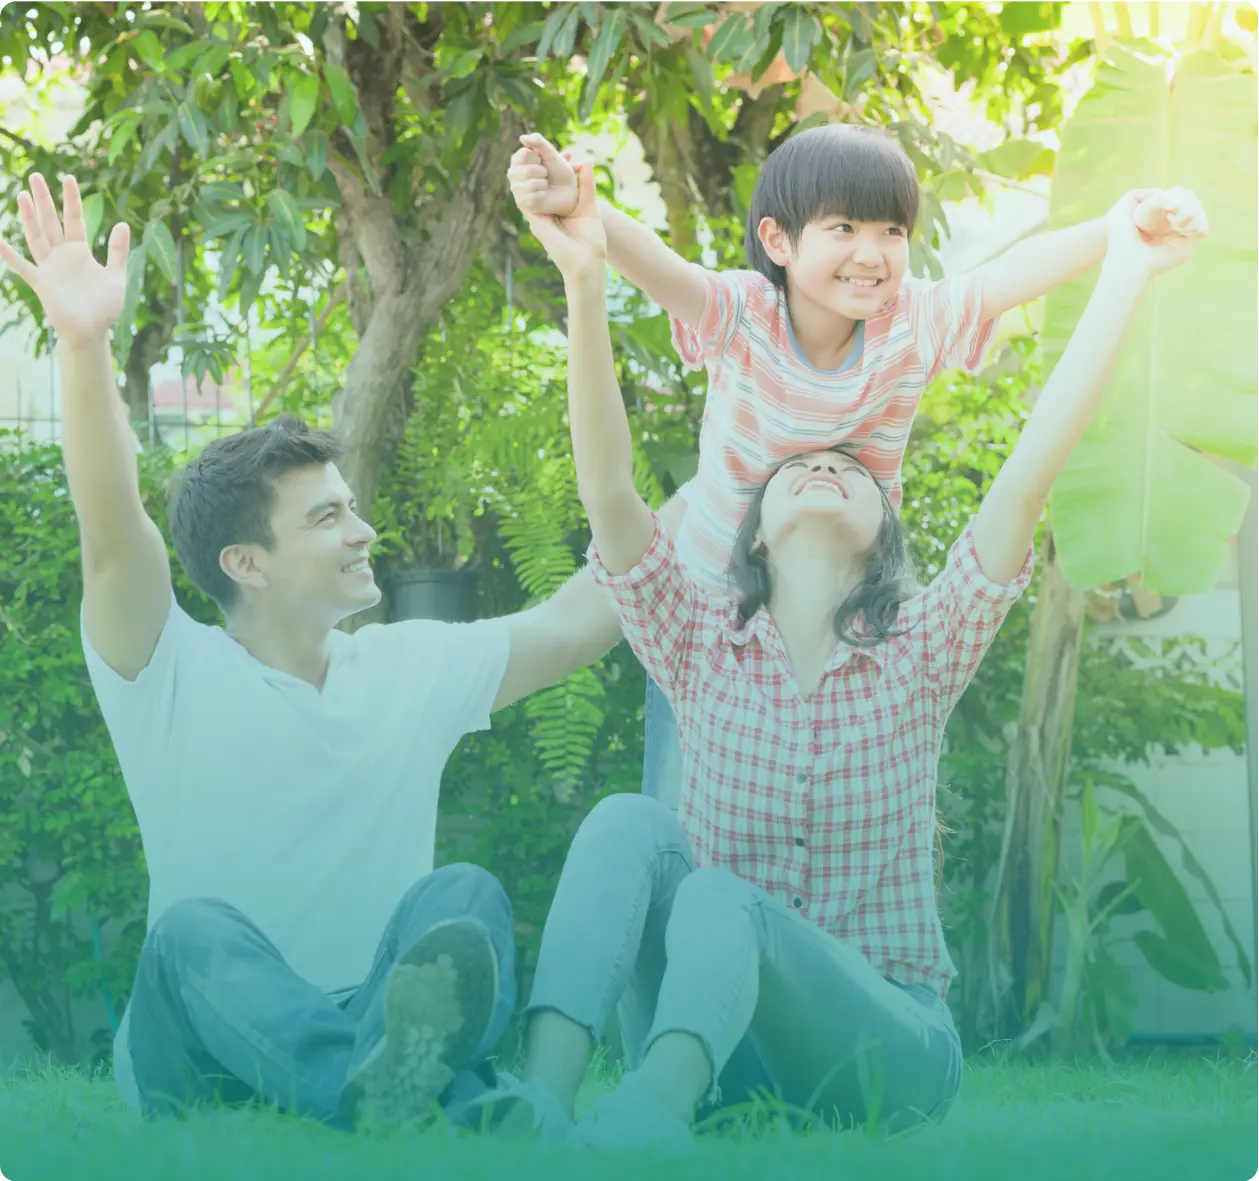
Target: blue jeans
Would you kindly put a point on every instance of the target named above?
(662, 752)
(776, 1002)
(218, 1016)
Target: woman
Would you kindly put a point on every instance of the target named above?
(790, 903)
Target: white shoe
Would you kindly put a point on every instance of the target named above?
(550, 1123)
(631, 1118)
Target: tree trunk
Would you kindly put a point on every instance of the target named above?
(1021, 941)
(408, 286)
(147, 348)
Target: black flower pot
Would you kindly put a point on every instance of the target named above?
(449, 595)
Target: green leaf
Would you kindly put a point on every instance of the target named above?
(1180, 965)
(522, 35)
(316, 153)
(149, 49)
(93, 213)
(759, 48)
(193, 126)
(650, 33)
(177, 59)
(367, 29)
(1160, 824)
(801, 31)
(1021, 19)
(281, 249)
(214, 59)
(131, 300)
(222, 224)
(241, 78)
(607, 41)
(249, 288)
(1018, 159)
(303, 96)
(218, 192)
(730, 41)
(465, 63)
(120, 135)
(554, 29)
(227, 262)
(162, 250)
(229, 111)
(288, 215)
(689, 16)
(1141, 493)
(344, 96)
(702, 71)
(861, 67)
(255, 249)
(157, 19)
(1161, 893)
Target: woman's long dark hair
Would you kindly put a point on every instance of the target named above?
(868, 615)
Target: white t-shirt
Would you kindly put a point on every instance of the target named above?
(312, 813)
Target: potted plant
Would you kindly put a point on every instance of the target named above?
(422, 514)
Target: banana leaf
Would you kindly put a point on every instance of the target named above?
(1145, 491)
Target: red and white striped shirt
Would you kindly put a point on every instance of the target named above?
(826, 803)
(765, 403)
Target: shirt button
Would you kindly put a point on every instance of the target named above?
(802, 778)
(799, 842)
(798, 903)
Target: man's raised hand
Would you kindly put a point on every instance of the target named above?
(81, 298)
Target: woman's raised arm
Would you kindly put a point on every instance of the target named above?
(1007, 519)
(620, 520)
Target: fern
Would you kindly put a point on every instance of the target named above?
(566, 720)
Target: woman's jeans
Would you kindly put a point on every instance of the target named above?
(703, 952)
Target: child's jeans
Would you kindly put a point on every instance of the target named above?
(662, 752)
(743, 973)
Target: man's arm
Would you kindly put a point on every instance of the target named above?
(126, 572)
(571, 629)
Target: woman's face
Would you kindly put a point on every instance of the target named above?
(825, 487)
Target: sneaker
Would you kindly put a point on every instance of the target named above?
(631, 1118)
(438, 1004)
(518, 1106)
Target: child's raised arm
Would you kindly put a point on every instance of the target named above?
(543, 182)
(620, 520)
(1036, 266)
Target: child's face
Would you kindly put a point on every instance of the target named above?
(851, 268)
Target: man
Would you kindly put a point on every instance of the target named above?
(284, 774)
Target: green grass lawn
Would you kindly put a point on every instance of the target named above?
(1182, 1117)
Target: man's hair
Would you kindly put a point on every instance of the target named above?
(868, 615)
(842, 168)
(227, 494)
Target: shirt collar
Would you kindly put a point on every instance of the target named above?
(760, 628)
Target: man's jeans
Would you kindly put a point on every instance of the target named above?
(662, 752)
(218, 1016)
(765, 991)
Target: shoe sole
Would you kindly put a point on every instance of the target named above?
(438, 1004)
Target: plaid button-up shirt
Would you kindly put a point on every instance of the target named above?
(827, 803)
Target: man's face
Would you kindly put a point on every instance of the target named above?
(318, 565)
(851, 268)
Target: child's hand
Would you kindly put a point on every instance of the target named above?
(542, 180)
(577, 244)
(1171, 211)
(1129, 248)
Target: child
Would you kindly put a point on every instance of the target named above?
(825, 339)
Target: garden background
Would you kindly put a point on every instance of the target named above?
(321, 225)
